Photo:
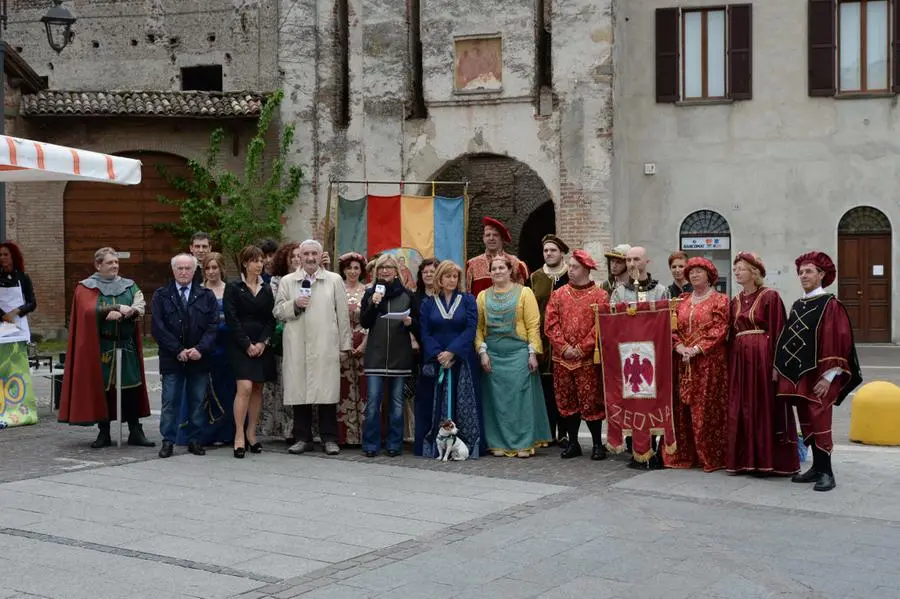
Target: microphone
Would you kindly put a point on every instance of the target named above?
(305, 290)
(379, 288)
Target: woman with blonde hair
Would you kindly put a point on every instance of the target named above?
(448, 323)
(762, 436)
(390, 312)
(508, 340)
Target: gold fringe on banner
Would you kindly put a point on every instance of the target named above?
(597, 356)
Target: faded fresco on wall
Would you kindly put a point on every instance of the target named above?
(479, 64)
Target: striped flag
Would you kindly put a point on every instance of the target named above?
(433, 226)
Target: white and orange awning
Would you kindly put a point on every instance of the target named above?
(26, 160)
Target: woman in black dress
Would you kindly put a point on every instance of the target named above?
(248, 305)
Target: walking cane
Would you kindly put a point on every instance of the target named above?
(119, 393)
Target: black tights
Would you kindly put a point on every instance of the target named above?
(821, 461)
(572, 424)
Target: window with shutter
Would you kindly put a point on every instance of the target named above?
(740, 51)
(704, 53)
(667, 55)
(863, 45)
(822, 47)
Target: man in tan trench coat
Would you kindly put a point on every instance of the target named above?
(312, 303)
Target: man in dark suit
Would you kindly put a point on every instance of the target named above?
(200, 249)
(185, 317)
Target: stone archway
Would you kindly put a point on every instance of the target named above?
(125, 218)
(507, 189)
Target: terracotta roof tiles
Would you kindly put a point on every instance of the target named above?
(194, 104)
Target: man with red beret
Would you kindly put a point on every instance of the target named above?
(478, 269)
(816, 363)
(572, 326)
(544, 281)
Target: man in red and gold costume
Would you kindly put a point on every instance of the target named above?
(817, 363)
(478, 269)
(571, 324)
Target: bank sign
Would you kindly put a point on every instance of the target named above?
(705, 243)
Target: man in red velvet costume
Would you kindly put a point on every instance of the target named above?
(816, 363)
(106, 309)
(478, 269)
(571, 324)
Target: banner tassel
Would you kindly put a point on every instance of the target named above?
(597, 357)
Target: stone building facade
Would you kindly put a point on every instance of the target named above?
(385, 90)
(133, 82)
(792, 155)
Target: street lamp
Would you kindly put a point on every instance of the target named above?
(58, 21)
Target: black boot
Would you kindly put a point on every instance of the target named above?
(599, 450)
(573, 447)
(825, 479)
(811, 475)
(103, 438)
(136, 435)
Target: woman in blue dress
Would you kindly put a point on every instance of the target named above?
(219, 404)
(448, 323)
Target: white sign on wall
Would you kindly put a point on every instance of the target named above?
(705, 243)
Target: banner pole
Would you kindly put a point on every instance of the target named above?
(119, 393)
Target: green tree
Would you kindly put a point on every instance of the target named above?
(237, 209)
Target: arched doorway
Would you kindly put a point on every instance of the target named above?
(98, 214)
(864, 272)
(506, 189)
(706, 233)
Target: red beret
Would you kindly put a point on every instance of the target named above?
(584, 259)
(752, 260)
(487, 221)
(706, 265)
(820, 260)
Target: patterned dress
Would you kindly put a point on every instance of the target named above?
(352, 406)
(700, 411)
(762, 434)
(275, 419)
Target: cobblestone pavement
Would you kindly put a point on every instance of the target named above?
(120, 523)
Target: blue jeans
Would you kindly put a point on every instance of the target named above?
(375, 395)
(175, 389)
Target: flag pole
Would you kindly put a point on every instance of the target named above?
(119, 393)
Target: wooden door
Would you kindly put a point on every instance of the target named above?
(864, 285)
(125, 218)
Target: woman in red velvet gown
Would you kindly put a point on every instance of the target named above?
(699, 411)
(762, 435)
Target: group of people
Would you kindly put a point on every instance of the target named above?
(290, 348)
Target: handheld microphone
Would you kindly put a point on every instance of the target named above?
(305, 290)
(379, 288)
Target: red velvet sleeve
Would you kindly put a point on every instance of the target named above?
(835, 339)
(716, 332)
(776, 318)
(552, 323)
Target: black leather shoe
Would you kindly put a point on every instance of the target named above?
(103, 439)
(572, 450)
(196, 449)
(810, 476)
(240, 452)
(598, 453)
(255, 448)
(393, 453)
(166, 450)
(369, 454)
(824, 482)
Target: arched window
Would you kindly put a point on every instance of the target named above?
(864, 220)
(705, 223)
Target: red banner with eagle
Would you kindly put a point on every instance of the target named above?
(636, 345)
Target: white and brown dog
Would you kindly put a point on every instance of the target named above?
(449, 445)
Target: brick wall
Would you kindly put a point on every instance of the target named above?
(501, 187)
(35, 210)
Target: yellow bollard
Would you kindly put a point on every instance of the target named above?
(875, 414)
